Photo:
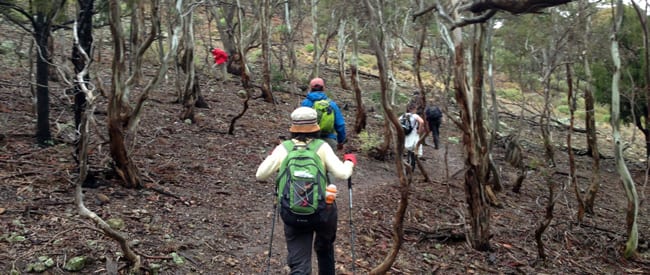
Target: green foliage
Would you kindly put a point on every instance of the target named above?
(512, 94)
(602, 113)
(277, 76)
(564, 109)
(309, 48)
(282, 29)
(534, 163)
(369, 141)
(632, 80)
(366, 60)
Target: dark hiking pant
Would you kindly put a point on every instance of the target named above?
(299, 245)
(434, 125)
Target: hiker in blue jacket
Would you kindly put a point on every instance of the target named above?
(337, 138)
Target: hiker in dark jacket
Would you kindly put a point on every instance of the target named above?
(434, 119)
(337, 138)
(304, 130)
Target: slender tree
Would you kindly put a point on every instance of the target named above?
(122, 119)
(265, 39)
(84, 30)
(360, 116)
(621, 167)
(41, 18)
(590, 120)
(382, 63)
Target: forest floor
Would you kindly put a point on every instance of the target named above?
(204, 205)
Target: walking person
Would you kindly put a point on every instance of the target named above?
(220, 58)
(413, 126)
(434, 119)
(305, 213)
(332, 130)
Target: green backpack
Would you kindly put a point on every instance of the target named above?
(325, 115)
(302, 180)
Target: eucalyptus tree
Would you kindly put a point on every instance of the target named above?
(586, 9)
(643, 22)
(122, 118)
(266, 13)
(360, 118)
(315, 39)
(468, 88)
(188, 81)
(628, 183)
(86, 118)
(633, 83)
(85, 41)
(37, 19)
(374, 12)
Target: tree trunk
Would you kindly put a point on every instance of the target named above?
(314, 36)
(475, 143)
(628, 184)
(267, 93)
(289, 38)
(190, 89)
(360, 117)
(41, 35)
(646, 58)
(398, 220)
(590, 122)
(541, 227)
(545, 118)
(495, 180)
(417, 56)
(84, 30)
(340, 50)
(571, 101)
(135, 40)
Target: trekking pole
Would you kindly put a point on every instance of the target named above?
(275, 213)
(351, 226)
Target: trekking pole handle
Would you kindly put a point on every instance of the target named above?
(350, 182)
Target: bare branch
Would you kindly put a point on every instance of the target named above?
(512, 6)
(474, 20)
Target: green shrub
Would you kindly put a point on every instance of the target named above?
(602, 113)
(309, 48)
(564, 109)
(512, 94)
(282, 29)
(369, 141)
(277, 75)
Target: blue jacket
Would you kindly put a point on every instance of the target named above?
(339, 121)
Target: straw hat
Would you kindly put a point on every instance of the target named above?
(303, 120)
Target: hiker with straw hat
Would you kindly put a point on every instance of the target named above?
(299, 237)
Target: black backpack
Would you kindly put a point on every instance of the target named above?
(433, 113)
(407, 124)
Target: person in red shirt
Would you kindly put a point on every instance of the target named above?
(220, 59)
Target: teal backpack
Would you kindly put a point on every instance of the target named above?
(325, 115)
(301, 182)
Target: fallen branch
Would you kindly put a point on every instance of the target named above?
(443, 235)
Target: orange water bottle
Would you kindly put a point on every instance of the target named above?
(330, 194)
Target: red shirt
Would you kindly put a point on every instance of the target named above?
(220, 56)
